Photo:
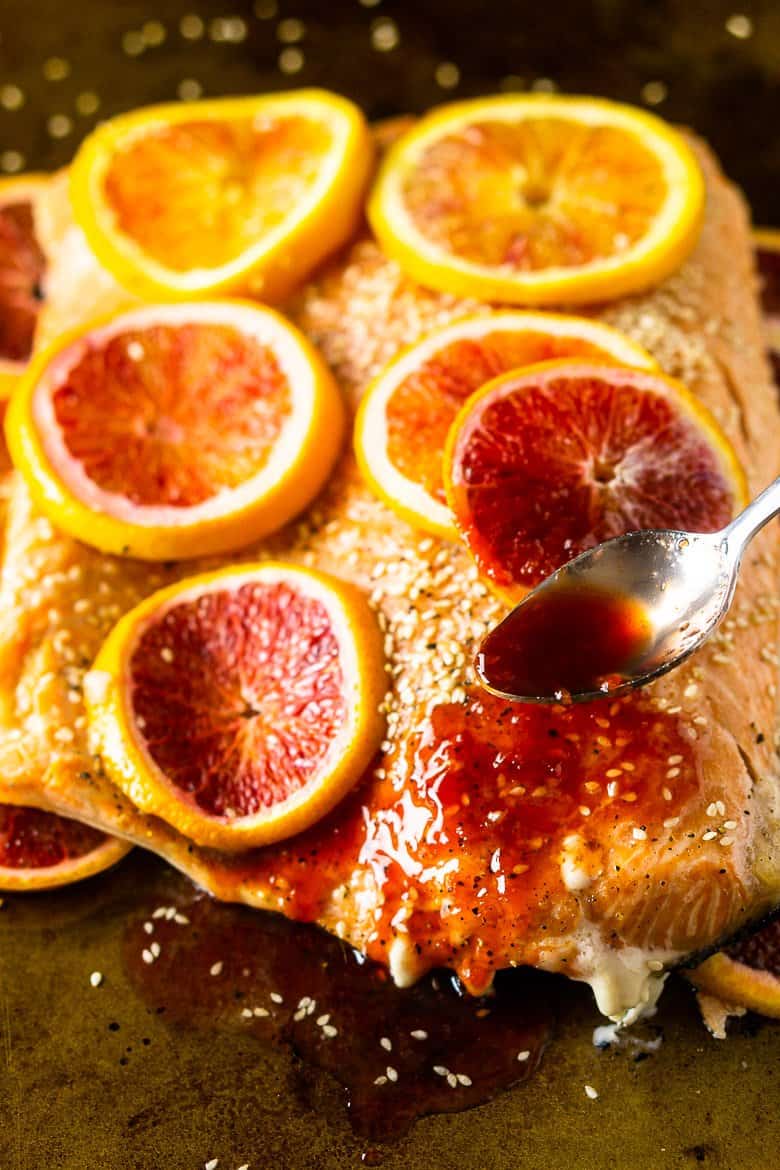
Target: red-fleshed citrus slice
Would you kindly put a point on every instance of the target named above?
(40, 850)
(235, 194)
(405, 414)
(22, 269)
(241, 705)
(176, 430)
(545, 462)
(746, 974)
(539, 200)
(767, 249)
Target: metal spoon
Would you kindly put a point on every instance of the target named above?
(684, 581)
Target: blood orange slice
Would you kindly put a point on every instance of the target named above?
(746, 975)
(405, 414)
(39, 850)
(175, 431)
(22, 269)
(246, 194)
(240, 706)
(539, 200)
(767, 248)
(546, 462)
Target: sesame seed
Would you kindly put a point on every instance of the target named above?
(447, 75)
(247, 1013)
(712, 809)
(290, 60)
(726, 841)
(260, 1012)
(149, 927)
(654, 92)
(463, 1079)
(440, 1070)
(380, 1080)
(275, 997)
(729, 824)
(322, 1020)
(96, 978)
(211, 1164)
(329, 1031)
(452, 1080)
(384, 34)
(666, 793)
(216, 968)
(670, 822)
(147, 956)
(386, 1043)
(523, 1056)
(639, 834)
(155, 948)
(392, 1074)
(591, 1092)
(709, 835)
(739, 26)
(419, 1034)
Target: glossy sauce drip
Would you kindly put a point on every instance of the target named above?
(228, 968)
(569, 639)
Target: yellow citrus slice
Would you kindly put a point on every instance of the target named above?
(747, 974)
(405, 414)
(545, 462)
(22, 271)
(249, 194)
(176, 430)
(240, 705)
(539, 200)
(40, 850)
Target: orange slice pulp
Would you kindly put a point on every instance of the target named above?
(247, 194)
(241, 705)
(405, 414)
(176, 431)
(545, 462)
(40, 850)
(538, 199)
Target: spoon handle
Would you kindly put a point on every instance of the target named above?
(744, 527)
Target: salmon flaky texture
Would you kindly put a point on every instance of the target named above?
(606, 842)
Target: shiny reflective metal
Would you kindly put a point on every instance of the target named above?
(684, 580)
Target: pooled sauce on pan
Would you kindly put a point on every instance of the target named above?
(569, 639)
(400, 1054)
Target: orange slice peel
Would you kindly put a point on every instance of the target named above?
(174, 430)
(233, 194)
(405, 414)
(241, 705)
(538, 199)
(545, 462)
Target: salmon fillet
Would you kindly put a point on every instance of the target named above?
(607, 842)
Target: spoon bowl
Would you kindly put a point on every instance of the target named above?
(682, 584)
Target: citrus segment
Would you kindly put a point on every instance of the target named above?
(404, 417)
(39, 850)
(176, 431)
(767, 248)
(240, 706)
(22, 269)
(546, 462)
(746, 974)
(236, 193)
(533, 199)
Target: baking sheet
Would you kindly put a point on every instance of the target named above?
(99, 1076)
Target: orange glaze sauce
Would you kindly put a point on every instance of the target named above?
(465, 844)
(569, 639)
